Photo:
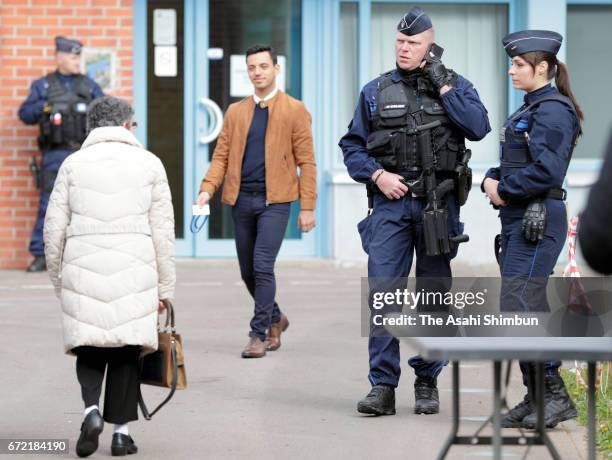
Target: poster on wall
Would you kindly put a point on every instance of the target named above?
(240, 85)
(99, 65)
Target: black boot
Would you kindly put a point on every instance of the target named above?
(39, 264)
(91, 428)
(379, 401)
(123, 444)
(558, 406)
(426, 396)
(514, 417)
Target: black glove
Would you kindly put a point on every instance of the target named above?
(534, 221)
(437, 73)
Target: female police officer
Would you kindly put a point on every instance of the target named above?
(537, 143)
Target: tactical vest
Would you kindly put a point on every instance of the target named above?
(401, 108)
(515, 153)
(63, 124)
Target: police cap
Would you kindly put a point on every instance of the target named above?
(414, 22)
(522, 42)
(68, 45)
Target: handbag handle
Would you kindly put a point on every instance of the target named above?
(143, 407)
(170, 321)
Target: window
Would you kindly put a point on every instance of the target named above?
(348, 90)
(588, 58)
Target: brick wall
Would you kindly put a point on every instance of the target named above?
(27, 31)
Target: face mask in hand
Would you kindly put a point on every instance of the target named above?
(198, 212)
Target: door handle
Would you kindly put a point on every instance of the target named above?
(215, 120)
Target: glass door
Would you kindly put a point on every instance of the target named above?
(167, 130)
(232, 27)
(195, 70)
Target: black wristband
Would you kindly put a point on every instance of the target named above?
(379, 174)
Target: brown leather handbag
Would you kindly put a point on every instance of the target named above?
(166, 366)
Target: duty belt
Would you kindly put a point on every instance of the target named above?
(553, 194)
(556, 194)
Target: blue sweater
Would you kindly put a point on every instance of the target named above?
(254, 162)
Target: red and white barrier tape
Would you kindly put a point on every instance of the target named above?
(571, 269)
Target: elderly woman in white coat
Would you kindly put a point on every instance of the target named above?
(109, 245)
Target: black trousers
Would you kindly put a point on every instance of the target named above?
(122, 380)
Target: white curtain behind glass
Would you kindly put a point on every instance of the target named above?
(471, 37)
(589, 61)
(347, 72)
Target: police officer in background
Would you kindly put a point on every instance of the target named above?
(406, 142)
(58, 104)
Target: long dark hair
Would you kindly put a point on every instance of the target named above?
(556, 69)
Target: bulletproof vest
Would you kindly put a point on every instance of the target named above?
(402, 107)
(515, 153)
(63, 124)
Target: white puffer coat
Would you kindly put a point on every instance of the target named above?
(109, 242)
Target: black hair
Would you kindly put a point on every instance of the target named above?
(262, 49)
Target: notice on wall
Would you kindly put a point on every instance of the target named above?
(165, 61)
(164, 27)
(240, 85)
(99, 65)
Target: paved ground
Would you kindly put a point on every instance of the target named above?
(296, 403)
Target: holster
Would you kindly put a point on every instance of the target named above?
(463, 181)
(36, 172)
(370, 190)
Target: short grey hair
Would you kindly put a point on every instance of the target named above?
(108, 111)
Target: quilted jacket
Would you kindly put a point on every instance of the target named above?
(109, 242)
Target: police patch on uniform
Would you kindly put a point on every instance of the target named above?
(394, 106)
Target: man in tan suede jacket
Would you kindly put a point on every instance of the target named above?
(264, 139)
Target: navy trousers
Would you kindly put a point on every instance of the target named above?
(260, 230)
(527, 266)
(51, 162)
(392, 235)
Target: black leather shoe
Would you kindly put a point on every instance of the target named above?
(558, 406)
(426, 396)
(91, 428)
(379, 401)
(39, 264)
(123, 445)
(514, 417)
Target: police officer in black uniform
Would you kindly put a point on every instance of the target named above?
(406, 142)
(537, 142)
(58, 104)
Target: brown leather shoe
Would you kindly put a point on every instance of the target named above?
(273, 341)
(256, 348)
